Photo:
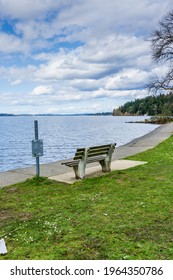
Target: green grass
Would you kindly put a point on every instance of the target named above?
(124, 215)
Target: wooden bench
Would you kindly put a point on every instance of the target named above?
(83, 156)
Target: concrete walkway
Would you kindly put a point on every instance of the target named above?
(52, 170)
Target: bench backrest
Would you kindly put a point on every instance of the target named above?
(94, 151)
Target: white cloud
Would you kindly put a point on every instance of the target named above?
(95, 60)
(26, 9)
(11, 44)
(14, 74)
(127, 78)
(42, 90)
(16, 82)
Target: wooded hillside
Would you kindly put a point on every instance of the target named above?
(151, 105)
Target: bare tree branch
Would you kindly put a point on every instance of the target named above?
(164, 83)
(162, 40)
(162, 52)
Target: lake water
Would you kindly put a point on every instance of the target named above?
(62, 135)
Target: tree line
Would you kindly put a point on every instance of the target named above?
(151, 105)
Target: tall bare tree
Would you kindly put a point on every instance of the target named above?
(162, 52)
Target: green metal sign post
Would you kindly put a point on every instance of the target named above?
(37, 148)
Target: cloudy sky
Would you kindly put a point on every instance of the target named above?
(75, 56)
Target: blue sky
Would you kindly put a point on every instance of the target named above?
(75, 56)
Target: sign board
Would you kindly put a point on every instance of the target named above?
(37, 148)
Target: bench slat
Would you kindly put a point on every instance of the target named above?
(96, 154)
(80, 149)
(104, 150)
(71, 163)
(93, 159)
(79, 153)
(100, 147)
(78, 156)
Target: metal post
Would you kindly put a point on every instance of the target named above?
(37, 157)
(37, 148)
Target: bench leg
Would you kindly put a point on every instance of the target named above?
(79, 170)
(106, 165)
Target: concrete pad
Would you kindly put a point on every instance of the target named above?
(9, 178)
(96, 171)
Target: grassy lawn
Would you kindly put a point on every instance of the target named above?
(124, 215)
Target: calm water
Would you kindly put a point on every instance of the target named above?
(62, 135)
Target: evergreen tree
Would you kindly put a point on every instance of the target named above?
(151, 106)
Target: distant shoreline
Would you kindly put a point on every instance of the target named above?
(59, 115)
(155, 120)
